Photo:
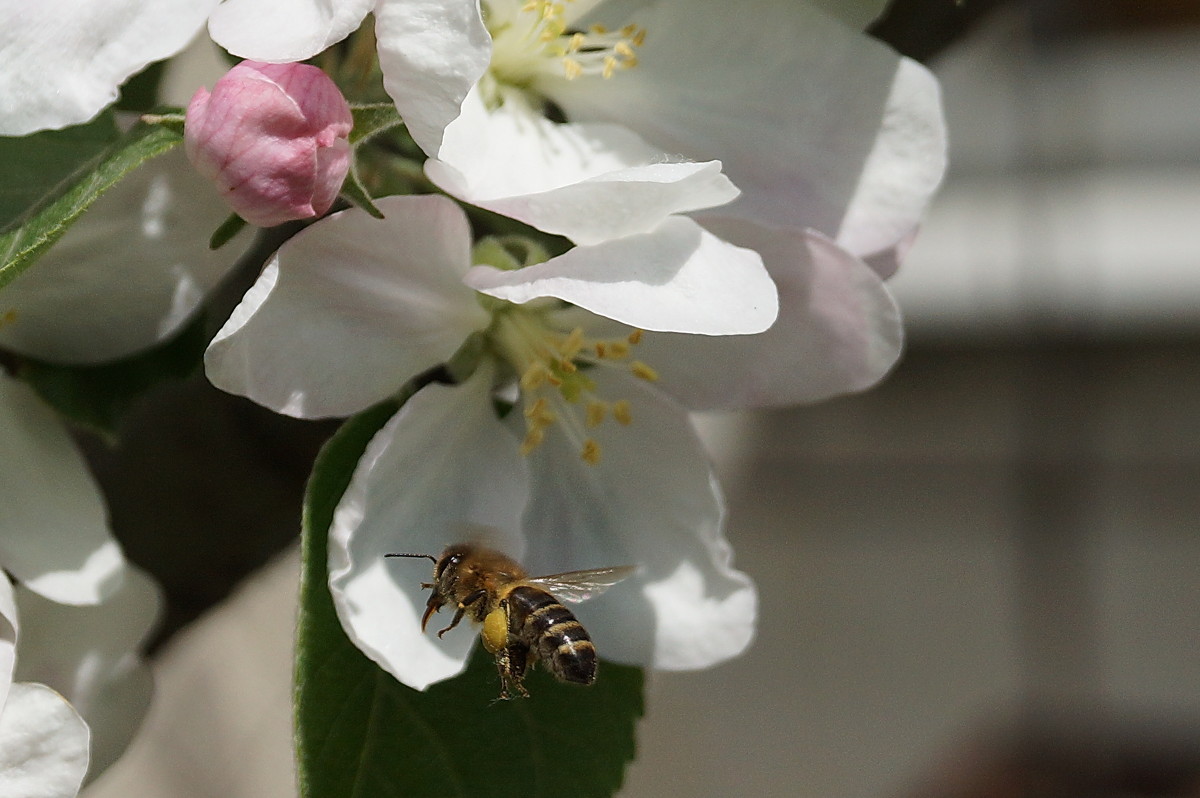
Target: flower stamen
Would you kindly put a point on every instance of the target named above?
(538, 39)
(553, 366)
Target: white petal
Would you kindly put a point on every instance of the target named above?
(64, 60)
(441, 468)
(590, 183)
(855, 13)
(679, 278)
(128, 274)
(838, 331)
(284, 30)
(822, 128)
(652, 502)
(54, 534)
(91, 656)
(43, 745)
(8, 635)
(350, 308)
(431, 53)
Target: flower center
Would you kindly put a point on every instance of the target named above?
(535, 38)
(554, 367)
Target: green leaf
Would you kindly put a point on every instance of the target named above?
(371, 119)
(362, 733)
(22, 244)
(32, 166)
(97, 397)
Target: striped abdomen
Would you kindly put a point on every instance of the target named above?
(541, 622)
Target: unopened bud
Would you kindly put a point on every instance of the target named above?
(274, 139)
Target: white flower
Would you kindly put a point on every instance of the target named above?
(595, 466)
(128, 274)
(80, 691)
(820, 126)
(588, 182)
(82, 611)
(64, 60)
(91, 655)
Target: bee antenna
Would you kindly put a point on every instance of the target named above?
(429, 557)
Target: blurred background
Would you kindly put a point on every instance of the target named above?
(978, 579)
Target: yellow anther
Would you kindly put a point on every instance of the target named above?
(575, 42)
(642, 371)
(567, 366)
(621, 412)
(537, 408)
(610, 66)
(629, 30)
(533, 439)
(532, 5)
(618, 349)
(624, 50)
(571, 68)
(596, 411)
(590, 452)
(598, 29)
(601, 348)
(635, 337)
(639, 38)
(572, 343)
(535, 376)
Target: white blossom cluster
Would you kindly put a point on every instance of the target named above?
(733, 181)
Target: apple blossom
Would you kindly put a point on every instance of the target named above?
(597, 465)
(91, 655)
(64, 60)
(834, 132)
(589, 182)
(273, 137)
(82, 611)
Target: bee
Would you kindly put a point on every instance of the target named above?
(522, 617)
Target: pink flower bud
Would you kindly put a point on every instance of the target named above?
(273, 138)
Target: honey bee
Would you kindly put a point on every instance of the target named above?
(523, 619)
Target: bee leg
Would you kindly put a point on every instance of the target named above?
(517, 657)
(462, 609)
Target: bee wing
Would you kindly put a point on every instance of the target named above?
(577, 586)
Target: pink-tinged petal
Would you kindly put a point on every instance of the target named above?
(679, 278)
(91, 656)
(8, 636)
(273, 138)
(651, 501)
(823, 128)
(431, 53)
(284, 30)
(590, 183)
(441, 469)
(64, 60)
(129, 274)
(351, 308)
(838, 331)
(43, 744)
(54, 534)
